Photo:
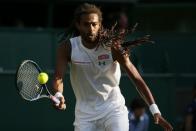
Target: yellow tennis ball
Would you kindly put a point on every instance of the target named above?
(42, 78)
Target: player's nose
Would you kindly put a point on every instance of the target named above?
(91, 29)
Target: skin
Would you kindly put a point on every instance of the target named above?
(89, 24)
(88, 27)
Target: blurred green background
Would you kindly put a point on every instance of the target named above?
(30, 30)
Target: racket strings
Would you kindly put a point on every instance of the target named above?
(28, 84)
(26, 94)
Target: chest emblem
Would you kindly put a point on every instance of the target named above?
(102, 59)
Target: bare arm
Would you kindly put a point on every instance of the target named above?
(141, 86)
(62, 60)
(134, 75)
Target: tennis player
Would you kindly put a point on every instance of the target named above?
(95, 76)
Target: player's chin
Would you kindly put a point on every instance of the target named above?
(90, 38)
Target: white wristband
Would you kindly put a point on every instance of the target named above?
(58, 95)
(154, 109)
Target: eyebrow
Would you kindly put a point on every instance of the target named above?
(90, 22)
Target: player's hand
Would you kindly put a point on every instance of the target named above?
(61, 105)
(158, 119)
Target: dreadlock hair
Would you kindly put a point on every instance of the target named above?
(81, 10)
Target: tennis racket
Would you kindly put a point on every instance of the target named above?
(28, 85)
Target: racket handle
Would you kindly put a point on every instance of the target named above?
(55, 100)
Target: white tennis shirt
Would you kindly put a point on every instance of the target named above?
(95, 81)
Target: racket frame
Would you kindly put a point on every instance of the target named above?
(43, 86)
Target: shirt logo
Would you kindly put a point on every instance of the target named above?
(101, 63)
(103, 57)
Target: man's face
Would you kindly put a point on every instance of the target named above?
(139, 112)
(88, 27)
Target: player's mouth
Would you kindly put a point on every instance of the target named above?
(91, 36)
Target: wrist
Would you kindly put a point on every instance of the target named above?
(154, 109)
(58, 94)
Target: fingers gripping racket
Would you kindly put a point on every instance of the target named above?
(28, 85)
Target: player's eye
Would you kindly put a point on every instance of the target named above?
(94, 24)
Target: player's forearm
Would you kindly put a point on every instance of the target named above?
(141, 86)
(58, 78)
(61, 64)
(144, 91)
(58, 85)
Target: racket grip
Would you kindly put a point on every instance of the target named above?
(55, 100)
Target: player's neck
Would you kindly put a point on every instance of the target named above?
(89, 45)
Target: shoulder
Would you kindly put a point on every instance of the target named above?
(64, 49)
(64, 44)
(75, 39)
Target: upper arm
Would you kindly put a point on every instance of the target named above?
(62, 59)
(132, 72)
